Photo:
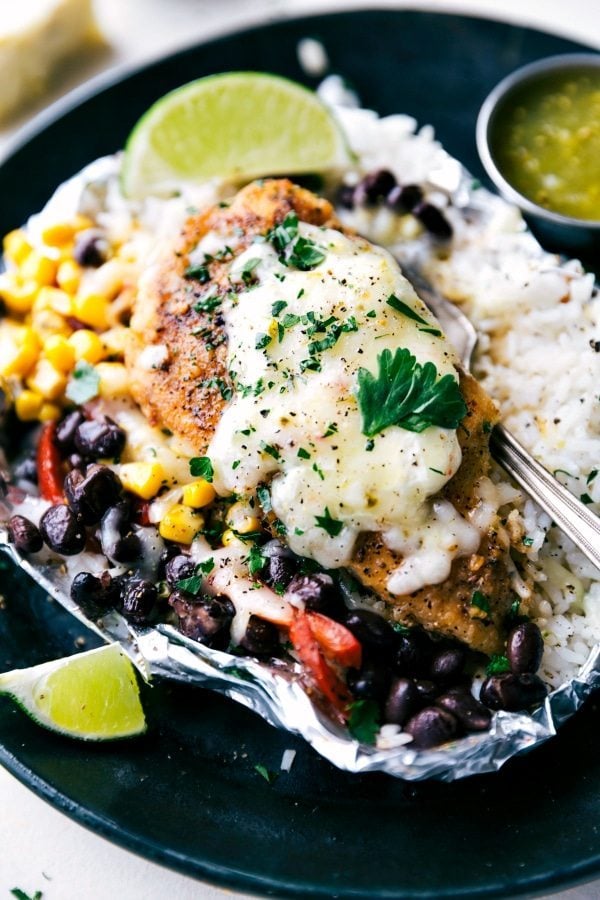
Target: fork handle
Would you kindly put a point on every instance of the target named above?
(569, 513)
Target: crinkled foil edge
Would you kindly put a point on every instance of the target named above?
(277, 694)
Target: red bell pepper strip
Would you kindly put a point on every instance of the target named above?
(337, 642)
(309, 652)
(49, 466)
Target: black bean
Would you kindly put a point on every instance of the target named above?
(90, 495)
(65, 431)
(24, 535)
(261, 638)
(447, 665)
(26, 470)
(370, 682)
(472, 715)
(317, 591)
(374, 187)
(434, 220)
(402, 702)
(178, 568)
(118, 541)
(431, 727)
(513, 692)
(204, 619)
(403, 198)
(62, 530)
(99, 439)
(280, 564)
(345, 197)
(373, 632)
(413, 653)
(525, 648)
(138, 599)
(427, 690)
(91, 248)
(95, 591)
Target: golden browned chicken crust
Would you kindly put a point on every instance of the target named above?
(188, 388)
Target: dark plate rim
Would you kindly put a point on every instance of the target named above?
(213, 873)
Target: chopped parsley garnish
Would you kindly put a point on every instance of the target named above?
(22, 895)
(220, 385)
(481, 602)
(247, 273)
(406, 393)
(267, 774)
(332, 526)
(497, 665)
(591, 476)
(264, 498)
(437, 471)
(262, 341)
(405, 309)
(255, 560)
(313, 365)
(318, 471)
(303, 454)
(207, 304)
(278, 307)
(433, 331)
(279, 527)
(84, 383)
(363, 723)
(202, 467)
(270, 449)
(198, 273)
(193, 584)
(293, 249)
(235, 464)
(331, 429)
(371, 314)
(527, 541)
(486, 427)
(289, 320)
(585, 498)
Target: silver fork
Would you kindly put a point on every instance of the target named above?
(569, 513)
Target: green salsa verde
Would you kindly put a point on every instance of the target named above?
(546, 141)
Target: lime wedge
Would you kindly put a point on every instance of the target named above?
(235, 126)
(93, 696)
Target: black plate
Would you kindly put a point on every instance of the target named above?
(188, 793)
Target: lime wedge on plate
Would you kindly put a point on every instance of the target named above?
(235, 126)
(93, 696)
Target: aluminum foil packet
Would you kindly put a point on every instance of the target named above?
(275, 692)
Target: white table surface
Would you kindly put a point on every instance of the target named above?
(40, 848)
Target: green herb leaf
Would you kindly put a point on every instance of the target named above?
(22, 895)
(305, 255)
(262, 341)
(303, 454)
(364, 721)
(527, 541)
(207, 304)
(191, 585)
(247, 273)
(83, 384)
(331, 429)
(406, 310)
(406, 393)
(264, 498)
(267, 774)
(202, 467)
(481, 602)
(497, 665)
(256, 561)
(585, 498)
(332, 526)
(206, 566)
(284, 234)
(278, 307)
(591, 476)
(270, 449)
(198, 273)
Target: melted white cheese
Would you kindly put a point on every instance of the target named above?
(301, 431)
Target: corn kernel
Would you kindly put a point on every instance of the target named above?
(55, 299)
(47, 380)
(144, 479)
(115, 340)
(50, 412)
(241, 518)
(47, 323)
(39, 268)
(28, 405)
(198, 494)
(87, 345)
(59, 352)
(17, 295)
(58, 234)
(91, 309)
(68, 275)
(229, 537)
(114, 379)
(20, 348)
(16, 246)
(180, 524)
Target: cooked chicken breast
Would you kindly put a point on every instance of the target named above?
(178, 361)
